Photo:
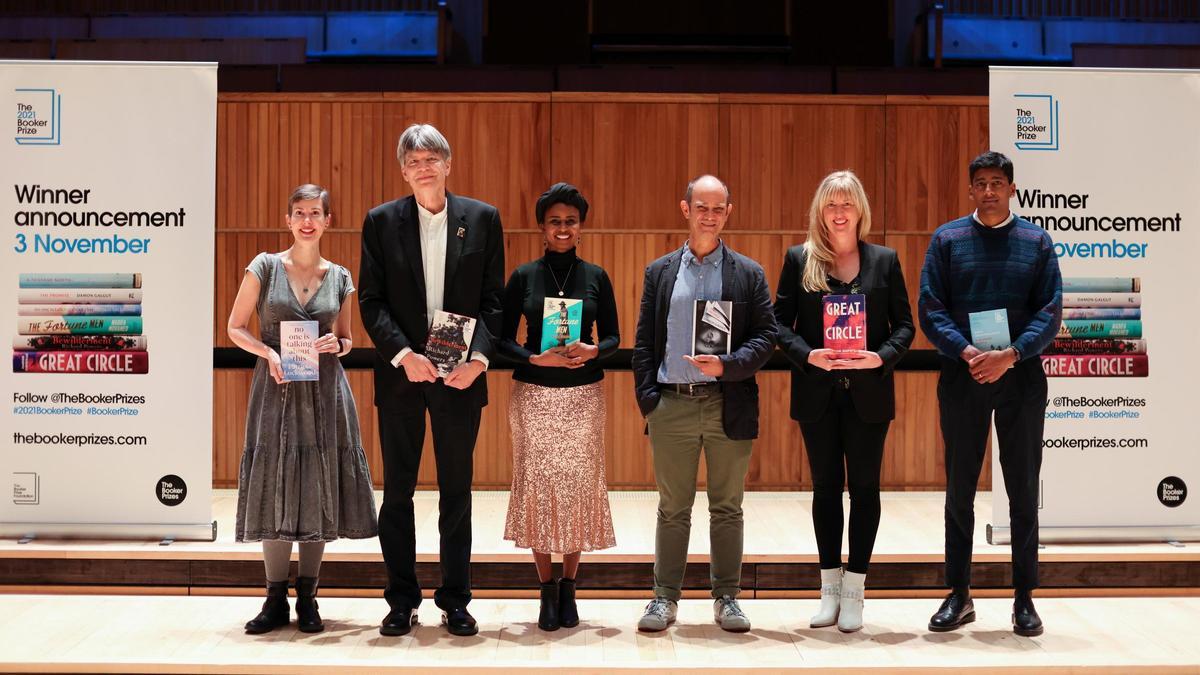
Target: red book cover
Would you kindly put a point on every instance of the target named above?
(77, 362)
(845, 322)
(1096, 365)
(1097, 346)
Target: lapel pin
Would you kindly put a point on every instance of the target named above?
(462, 231)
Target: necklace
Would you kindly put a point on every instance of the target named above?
(555, 277)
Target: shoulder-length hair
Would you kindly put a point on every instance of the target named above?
(819, 251)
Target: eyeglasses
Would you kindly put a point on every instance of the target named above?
(315, 217)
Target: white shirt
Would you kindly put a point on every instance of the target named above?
(1009, 219)
(433, 262)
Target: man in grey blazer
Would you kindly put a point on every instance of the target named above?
(704, 402)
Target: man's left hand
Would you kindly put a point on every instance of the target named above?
(464, 375)
(990, 366)
(708, 364)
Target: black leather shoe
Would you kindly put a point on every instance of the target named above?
(1025, 619)
(548, 613)
(399, 621)
(275, 611)
(568, 614)
(957, 609)
(308, 619)
(459, 622)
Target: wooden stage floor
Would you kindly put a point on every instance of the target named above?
(780, 555)
(47, 633)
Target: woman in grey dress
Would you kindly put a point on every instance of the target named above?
(304, 475)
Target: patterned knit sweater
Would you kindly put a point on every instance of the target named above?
(972, 268)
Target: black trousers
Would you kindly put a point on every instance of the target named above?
(841, 446)
(454, 418)
(1018, 400)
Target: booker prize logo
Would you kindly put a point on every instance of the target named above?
(1036, 125)
(171, 490)
(1172, 491)
(39, 117)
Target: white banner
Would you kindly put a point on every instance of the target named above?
(107, 187)
(1108, 162)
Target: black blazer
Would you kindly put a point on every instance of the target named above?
(391, 285)
(801, 330)
(752, 339)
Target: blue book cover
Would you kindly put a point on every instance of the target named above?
(989, 329)
(300, 360)
(562, 321)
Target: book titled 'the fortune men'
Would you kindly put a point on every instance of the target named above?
(845, 322)
(989, 329)
(449, 340)
(562, 319)
(712, 324)
(297, 355)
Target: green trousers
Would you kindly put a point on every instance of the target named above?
(679, 428)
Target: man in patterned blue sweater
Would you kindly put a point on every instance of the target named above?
(991, 260)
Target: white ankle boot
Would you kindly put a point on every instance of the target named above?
(831, 595)
(850, 618)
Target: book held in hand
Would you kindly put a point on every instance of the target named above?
(845, 322)
(712, 326)
(562, 320)
(300, 360)
(989, 329)
(449, 341)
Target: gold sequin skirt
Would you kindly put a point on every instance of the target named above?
(559, 500)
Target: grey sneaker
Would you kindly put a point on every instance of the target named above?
(660, 613)
(729, 615)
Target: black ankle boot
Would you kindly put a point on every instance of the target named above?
(275, 611)
(568, 614)
(548, 617)
(308, 619)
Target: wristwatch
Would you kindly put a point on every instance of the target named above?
(1016, 353)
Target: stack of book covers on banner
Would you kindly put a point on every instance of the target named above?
(1101, 333)
(80, 323)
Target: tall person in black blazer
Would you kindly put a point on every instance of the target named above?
(843, 399)
(430, 251)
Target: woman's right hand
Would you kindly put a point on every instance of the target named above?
(275, 365)
(554, 358)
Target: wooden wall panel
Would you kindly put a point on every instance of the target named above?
(774, 154)
(930, 142)
(632, 157)
(500, 148)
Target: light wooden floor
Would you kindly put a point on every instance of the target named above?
(778, 526)
(204, 634)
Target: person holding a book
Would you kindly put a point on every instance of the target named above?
(991, 302)
(693, 400)
(844, 323)
(559, 500)
(304, 474)
(430, 281)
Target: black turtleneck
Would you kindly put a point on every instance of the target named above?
(528, 287)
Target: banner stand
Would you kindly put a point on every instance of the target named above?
(148, 531)
(1001, 536)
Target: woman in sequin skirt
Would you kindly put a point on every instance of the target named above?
(559, 501)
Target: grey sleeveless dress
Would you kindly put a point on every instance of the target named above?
(304, 475)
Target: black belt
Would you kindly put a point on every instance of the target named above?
(695, 389)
